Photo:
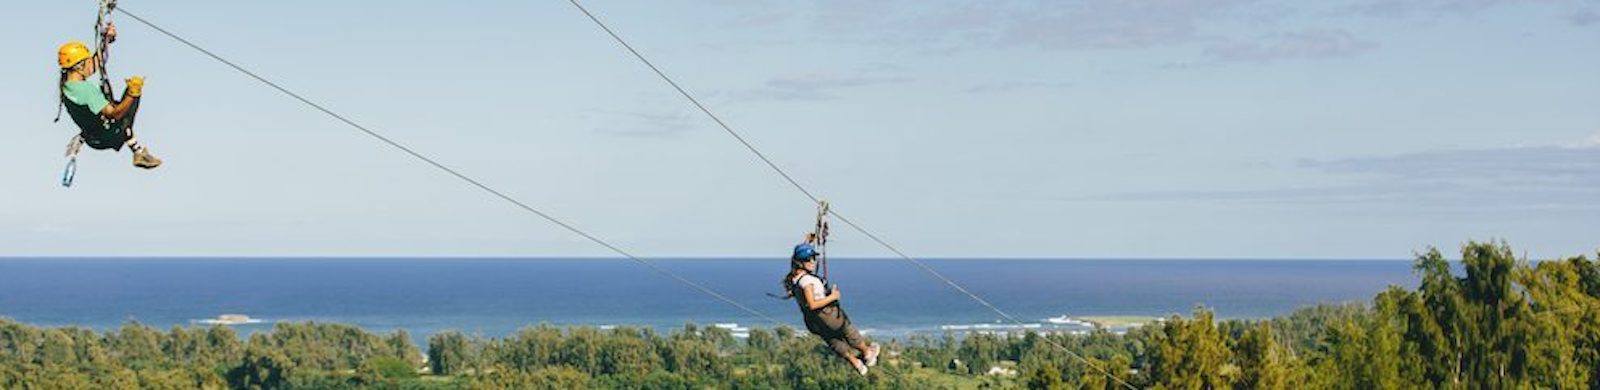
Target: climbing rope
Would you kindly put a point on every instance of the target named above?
(102, 45)
(821, 234)
(814, 199)
(457, 174)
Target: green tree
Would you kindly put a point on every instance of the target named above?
(263, 367)
(449, 353)
(1262, 362)
(1189, 354)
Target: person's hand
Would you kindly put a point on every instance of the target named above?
(836, 293)
(111, 32)
(135, 86)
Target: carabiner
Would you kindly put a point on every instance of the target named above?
(69, 173)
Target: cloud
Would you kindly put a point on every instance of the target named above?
(1433, 9)
(818, 86)
(1309, 44)
(1110, 24)
(1038, 24)
(642, 124)
(1422, 8)
(1530, 178)
(1593, 142)
(953, 25)
(1538, 166)
(1011, 86)
(1583, 17)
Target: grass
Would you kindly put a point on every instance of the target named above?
(1119, 321)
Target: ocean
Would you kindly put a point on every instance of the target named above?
(494, 297)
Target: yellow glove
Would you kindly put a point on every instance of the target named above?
(135, 86)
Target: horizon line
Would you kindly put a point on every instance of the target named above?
(688, 257)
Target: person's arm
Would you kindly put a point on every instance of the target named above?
(119, 109)
(130, 95)
(820, 303)
(115, 111)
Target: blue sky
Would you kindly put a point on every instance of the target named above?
(1098, 128)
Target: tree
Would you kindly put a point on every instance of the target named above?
(449, 353)
(1263, 364)
(1189, 354)
(262, 368)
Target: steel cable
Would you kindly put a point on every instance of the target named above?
(457, 174)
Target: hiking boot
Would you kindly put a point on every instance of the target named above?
(143, 159)
(872, 355)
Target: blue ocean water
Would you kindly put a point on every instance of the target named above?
(493, 297)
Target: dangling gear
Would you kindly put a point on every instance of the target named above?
(820, 235)
(71, 171)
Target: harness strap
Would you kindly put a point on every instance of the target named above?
(821, 234)
(795, 289)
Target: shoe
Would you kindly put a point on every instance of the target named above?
(860, 368)
(872, 355)
(143, 159)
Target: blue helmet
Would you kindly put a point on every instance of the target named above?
(804, 251)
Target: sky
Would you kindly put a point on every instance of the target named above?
(1079, 129)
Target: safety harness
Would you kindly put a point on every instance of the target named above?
(102, 44)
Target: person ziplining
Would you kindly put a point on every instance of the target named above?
(819, 300)
(104, 121)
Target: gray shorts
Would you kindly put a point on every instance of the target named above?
(840, 334)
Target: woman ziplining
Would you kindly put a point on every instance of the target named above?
(819, 300)
(104, 122)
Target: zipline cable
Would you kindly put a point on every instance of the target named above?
(814, 199)
(453, 172)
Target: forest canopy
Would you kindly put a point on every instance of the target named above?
(1490, 320)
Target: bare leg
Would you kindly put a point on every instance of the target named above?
(860, 367)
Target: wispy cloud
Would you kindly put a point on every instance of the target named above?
(1092, 24)
(642, 124)
(1011, 86)
(1593, 142)
(950, 25)
(818, 86)
(1537, 166)
(1435, 8)
(1309, 44)
(1583, 17)
(1549, 177)
(954, 25)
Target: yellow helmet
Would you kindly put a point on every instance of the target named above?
(71, 53)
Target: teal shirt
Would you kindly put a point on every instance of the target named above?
(86, 94)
